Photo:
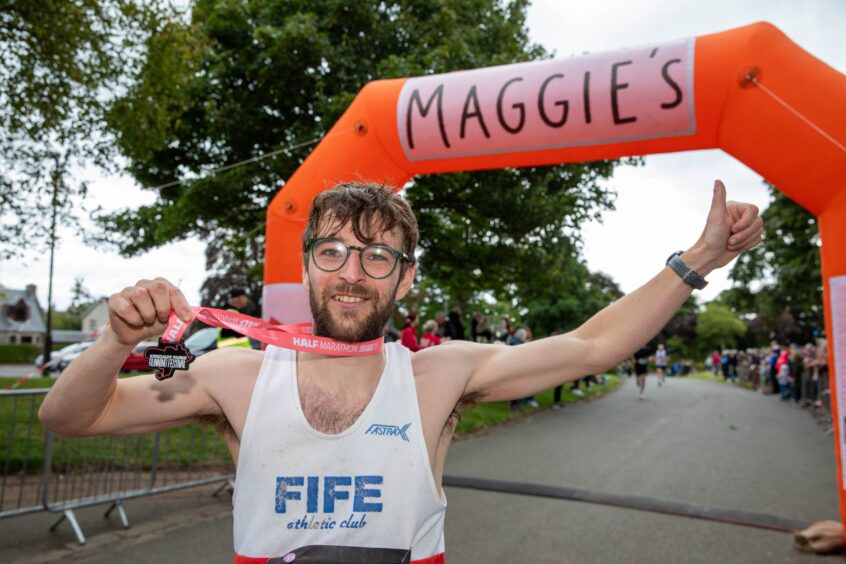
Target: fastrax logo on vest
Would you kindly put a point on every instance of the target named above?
(389, 430)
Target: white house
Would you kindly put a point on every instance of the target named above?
(95, 317)
(21, 318)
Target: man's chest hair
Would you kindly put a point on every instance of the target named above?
(330, 413)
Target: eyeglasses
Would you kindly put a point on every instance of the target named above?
(377, 261)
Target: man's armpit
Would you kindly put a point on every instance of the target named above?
(466, 401)
(220, 424)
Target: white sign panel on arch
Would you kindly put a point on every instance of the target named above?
(627, 95)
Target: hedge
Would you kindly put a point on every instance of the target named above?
(10, 354)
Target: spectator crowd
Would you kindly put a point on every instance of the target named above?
(797, 373)
(451, 327)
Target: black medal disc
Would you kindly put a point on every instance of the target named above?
(168, 357)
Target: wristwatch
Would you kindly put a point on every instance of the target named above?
(687, 274)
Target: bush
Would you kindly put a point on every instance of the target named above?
(18, 353)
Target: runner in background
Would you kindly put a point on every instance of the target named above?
(661, 362)
(641, 364)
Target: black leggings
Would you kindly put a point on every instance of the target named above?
(556, 394)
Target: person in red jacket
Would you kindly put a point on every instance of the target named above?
(409, 334)
(430, 337)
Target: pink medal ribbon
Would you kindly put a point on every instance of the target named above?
(171, 354)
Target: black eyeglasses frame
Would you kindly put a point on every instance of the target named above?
(398, 255)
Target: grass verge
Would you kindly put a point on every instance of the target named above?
(711, 377)
(489, 414)
(22, 440)
(22, 435)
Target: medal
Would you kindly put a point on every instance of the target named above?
(171, 354)
(168, 358)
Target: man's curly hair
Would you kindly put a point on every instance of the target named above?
(370, 209)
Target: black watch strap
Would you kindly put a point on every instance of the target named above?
(687, 274)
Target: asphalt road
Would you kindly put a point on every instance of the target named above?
(689, 441)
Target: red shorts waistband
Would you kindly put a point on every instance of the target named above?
(436, 559)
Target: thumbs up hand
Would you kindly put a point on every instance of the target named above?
(731, 228)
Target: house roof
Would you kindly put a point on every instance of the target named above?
(35, 323)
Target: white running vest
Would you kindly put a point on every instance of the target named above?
(370, 486)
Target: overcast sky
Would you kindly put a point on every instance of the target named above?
(661, 207)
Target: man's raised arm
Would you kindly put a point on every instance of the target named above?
(88, 399)
(623, 327)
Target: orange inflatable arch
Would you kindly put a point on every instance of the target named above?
(749, 91)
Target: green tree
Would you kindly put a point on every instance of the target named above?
(243, 79)
(228, 266)
(66, 321)
(507, 230)
(718, 327)
(564, 293)
(682, 328)
(61, 58)
(426, 299)
(678, 349)
(81, 298)
(780, 279)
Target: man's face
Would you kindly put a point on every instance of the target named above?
(348, 305)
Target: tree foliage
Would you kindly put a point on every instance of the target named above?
(679, 334)
(242, 79)
(247, 78)
(514, 233)
(61, 60)
(718, 328)
(788, 306)
(563, 293)
(81, 298)
(229, 266)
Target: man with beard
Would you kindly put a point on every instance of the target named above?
(346, 452)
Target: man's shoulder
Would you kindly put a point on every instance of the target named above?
(230, 353)
(225, 361)
(228, 376)
(442, 373)
(449, 359)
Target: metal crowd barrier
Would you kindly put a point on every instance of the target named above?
(41, 471)
(809, 388)
(824, 410)
(815, 393)
(22, 441)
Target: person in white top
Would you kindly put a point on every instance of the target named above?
(661, 360)
(325, 497)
